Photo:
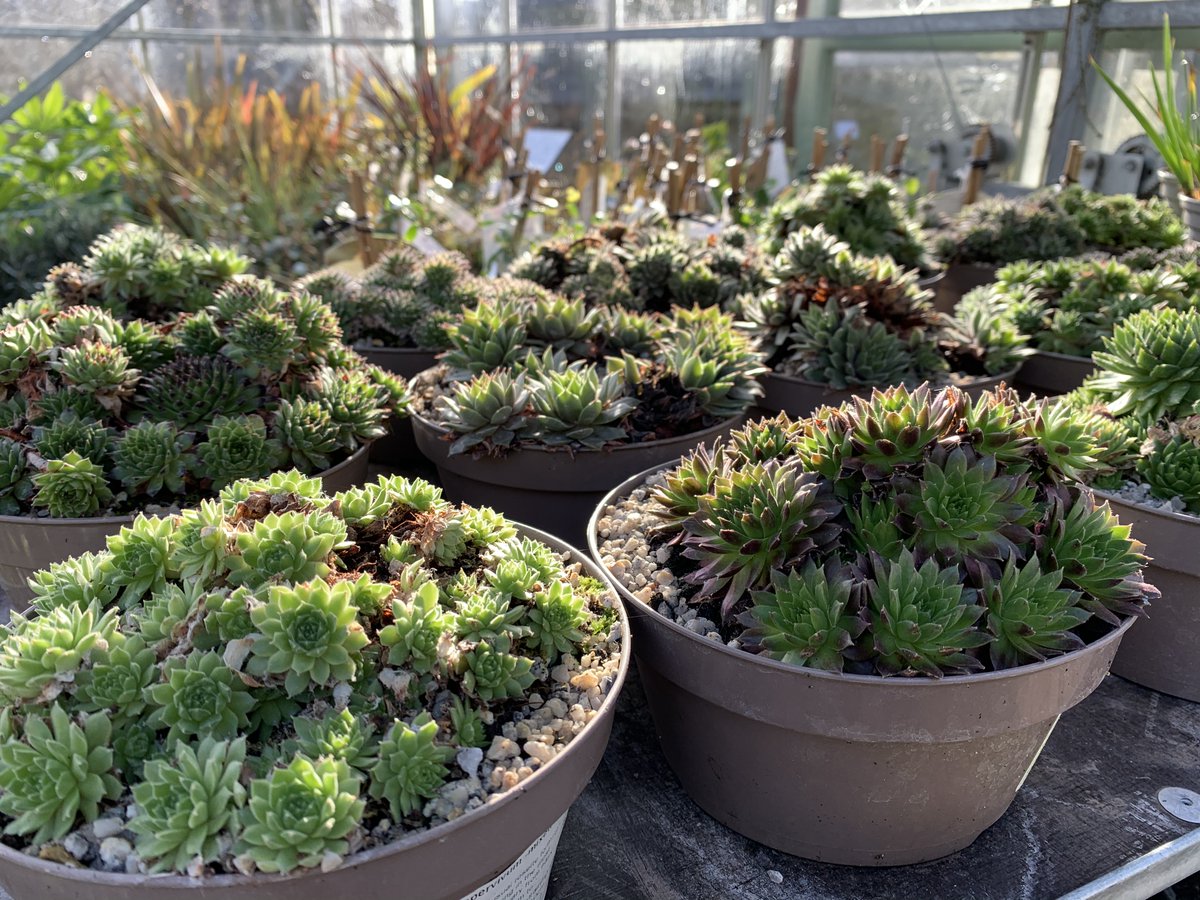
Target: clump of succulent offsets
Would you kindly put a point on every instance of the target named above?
(650, 268)
(278, 679)
(404, 300)
(105, 416)
(866, 211)
(915, 533)
(1071, 305)
(1143, 405)
(139, 272)
(997, 231)
(531, 368)
(843, 319)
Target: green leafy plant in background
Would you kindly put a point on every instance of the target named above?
(60, 180)
(271, 704)
(1177, 135)
(918, 533)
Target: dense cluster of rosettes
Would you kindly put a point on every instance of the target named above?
(1143, 405)
(915, 533)
(534, 368)
(275, 672)
(650, 268)
(866, 211)
(1071, 305)
(404, 300)
(102, 414)
(840, 318)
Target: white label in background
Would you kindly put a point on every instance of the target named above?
(529, 877)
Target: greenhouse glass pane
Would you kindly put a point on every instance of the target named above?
(467, 17)
(852, 8)
(111, 65)
(467, 59)
(247, 15)
(560, 13)
(566, 92)
(673, 12)
(886, 93)
(398, 61)
(680, 79)
(374, 18)
(1112, 122)
(288, 68)
(73, 13)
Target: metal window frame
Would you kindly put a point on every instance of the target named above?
(1080, 29)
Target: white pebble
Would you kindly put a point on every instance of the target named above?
(540, 751)
(75, 845)
(776, 877)
(113, 852)
(106, 828)
(468, 760)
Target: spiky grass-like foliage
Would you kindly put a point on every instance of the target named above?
(274, 672)
(916, 533)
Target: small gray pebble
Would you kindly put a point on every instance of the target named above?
(776, 877)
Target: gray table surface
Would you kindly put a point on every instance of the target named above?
(1088, 806)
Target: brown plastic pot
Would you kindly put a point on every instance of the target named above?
(30, 543)
(1163, 652)
(552, 489)
(447, 862)
(1048, 373)
(1190, 211)
(398, 448)
(961, 279)
(851, 769)
(800, 398)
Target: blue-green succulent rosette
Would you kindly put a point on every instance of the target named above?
(917, 533)
(276, 679)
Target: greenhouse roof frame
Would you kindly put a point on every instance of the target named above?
(1080, 27)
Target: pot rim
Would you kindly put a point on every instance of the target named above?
(438, 833)
(974, 380)
(381, 348)
(1064, 357)
(1164, 514)
(921, 683)
(702, 434)
(51, 522)
(1188, 200)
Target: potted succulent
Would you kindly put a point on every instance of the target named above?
(394, 313)
(542, 404)
(101, 417)
(1142, 404)
(1117, 223)
(1069, 306)
(282, 693)
(648, 268)
(866, 211)
(1177, 137)
(997, 231)
(837, 324)
(871, 617)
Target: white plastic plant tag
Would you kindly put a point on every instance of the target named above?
(529, 877)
